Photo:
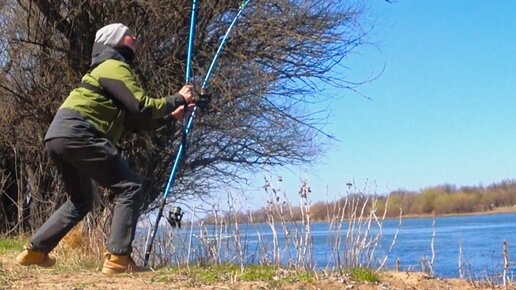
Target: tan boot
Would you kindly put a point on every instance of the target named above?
(29, 257)
(115, 264)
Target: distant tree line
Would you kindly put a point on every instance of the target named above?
(449, 199)
(437, 200)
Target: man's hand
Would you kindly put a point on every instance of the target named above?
(188, 93)
(178, 113)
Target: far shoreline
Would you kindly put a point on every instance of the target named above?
(495, 211)
(498, 210)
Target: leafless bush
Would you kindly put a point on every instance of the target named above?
(266, 76)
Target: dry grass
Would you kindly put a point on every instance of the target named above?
(224, 276)
(201, 255)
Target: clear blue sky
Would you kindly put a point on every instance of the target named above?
(443, 110)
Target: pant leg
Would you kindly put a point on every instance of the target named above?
(127, 188)
(78, 204)
(99, 160)
(125, 218)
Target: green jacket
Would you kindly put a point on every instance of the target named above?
(109, 94)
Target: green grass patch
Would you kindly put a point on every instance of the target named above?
(301, 276)
(11, 245)
(206, 275)
(258, 273)
(199, 274)
(364, 274)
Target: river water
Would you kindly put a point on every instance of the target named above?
(480, 237)
(476, 241)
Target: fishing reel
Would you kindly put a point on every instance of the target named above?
(175, 215)
(204, 100)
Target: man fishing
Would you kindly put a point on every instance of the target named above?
(81, 140)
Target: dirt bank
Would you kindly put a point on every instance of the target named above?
(13, 276)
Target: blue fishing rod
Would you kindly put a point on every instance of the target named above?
(175, 217)
(219, 49)
(150, 240)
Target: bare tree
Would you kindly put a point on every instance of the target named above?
(266, 80)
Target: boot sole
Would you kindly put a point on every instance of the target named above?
(111, 271)
(40, 264)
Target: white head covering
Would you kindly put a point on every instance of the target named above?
(111, 34)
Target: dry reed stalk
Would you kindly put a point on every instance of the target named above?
(341, 216)
(20, 186)
(331, 219)
(270, 211)
(348, 250)
(505, 255)
(298, 235)
(423, 263)
(3, 187)
(357, 240)
(432, 246)
(262, 245)
(358, 214)
(360, 243)
(307, 243)
(368, 244)
(460, 263)
(382, 264)
(287, 232)
(88, 238)
(236, 236)
(189, 251)
(213, 245)
(379, 224)
(169, 247)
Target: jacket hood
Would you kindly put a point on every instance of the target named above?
(102, 52)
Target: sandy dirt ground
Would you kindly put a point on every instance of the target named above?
(13, 276)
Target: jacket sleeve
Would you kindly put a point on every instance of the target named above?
(119, 81)
(135, 124)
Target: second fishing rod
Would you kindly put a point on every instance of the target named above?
(190, 117)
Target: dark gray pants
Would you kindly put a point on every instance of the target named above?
(79, 161)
